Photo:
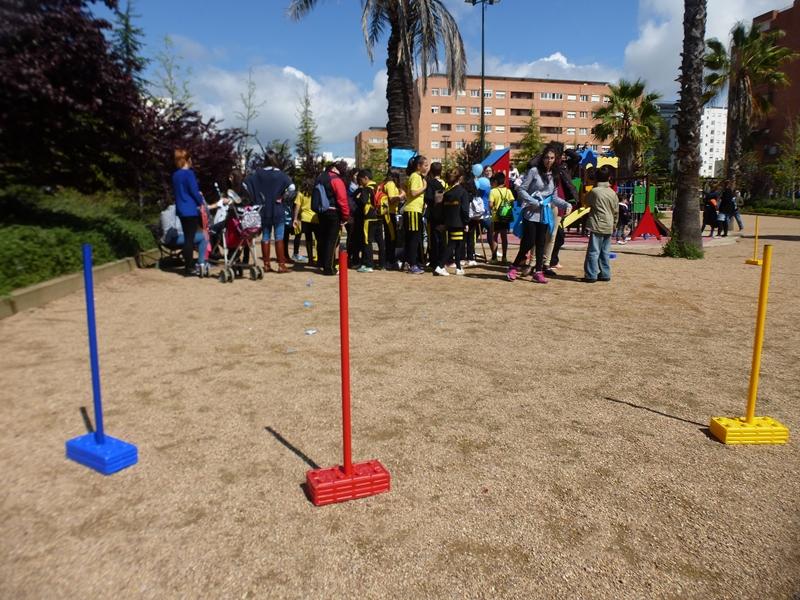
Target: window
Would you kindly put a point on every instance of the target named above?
(446, 127)
(520, 112)
(550, 96)
(460, 144)
(571, 114)
(435, 144)
(522, 95)
(434, 127)
(584, 98)
(474, 128)
(551, 130)
(487, 110)
(444, 91)
(605, 148)
(376, 141)
(572, 97)
(519, 130)
(461, 127)
(435, 110)
(550, 113)
(446, 110)
(487, 93)
(461, 110)
(500, 128)
(475, 93)
(606, 99)
(593, 146)
(474, 110)
(584, 131)
(462, 92)
(595, 97)
(434, 91)
(500, 95)
(570, 131)
(584, 114)
(487, 128)
(500, 112)
(499, 147)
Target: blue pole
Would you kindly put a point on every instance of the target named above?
(99, 435)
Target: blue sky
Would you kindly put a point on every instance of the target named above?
(576, 40)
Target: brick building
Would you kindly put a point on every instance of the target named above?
(372, 138)
(786, 100)
(451, 119)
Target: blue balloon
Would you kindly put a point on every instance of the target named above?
(477, 170)
(483, 184)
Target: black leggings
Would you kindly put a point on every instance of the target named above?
(473, 231)
(189, 225)
(328, 237)
(533, 237)
(310, 231)
(412, 224)
(455, 248)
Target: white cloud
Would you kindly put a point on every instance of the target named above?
(555, 66)
(341, 107)
(656, 53)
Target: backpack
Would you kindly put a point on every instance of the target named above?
(320, 202)
(380, 201)
(476, 209)
(505, 212)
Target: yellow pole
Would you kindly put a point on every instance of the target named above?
(760, 319)
(755, 242)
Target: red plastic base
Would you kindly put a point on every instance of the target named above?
(327, 486)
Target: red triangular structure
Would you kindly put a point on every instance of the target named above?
(648, 224)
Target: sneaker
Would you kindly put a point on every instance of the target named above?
(364, 269)
(451, 266)
(539, 277)
(472, 263)
(459, 271)
(549, 272)
(558, 266)
(512, 274)
(415, 270)
(441, 271)
(621, 242)
(299, 258)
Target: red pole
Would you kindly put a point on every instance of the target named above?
(344, 327)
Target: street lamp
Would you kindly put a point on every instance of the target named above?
(483, 4)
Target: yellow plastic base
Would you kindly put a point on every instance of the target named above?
(754, 261)
(736, 430)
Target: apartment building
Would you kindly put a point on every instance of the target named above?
(369, 139)
(786, 100)
(713, 133)
(450, 119)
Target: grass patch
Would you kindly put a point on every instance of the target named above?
(675, 249)
(41, 234)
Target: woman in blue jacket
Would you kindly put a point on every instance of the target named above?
(188, 202)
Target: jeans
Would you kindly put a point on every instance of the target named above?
(738, 218)
(277, 229)
(597, 253)
(199, 241)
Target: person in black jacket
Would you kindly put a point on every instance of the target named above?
(435, 214)
(456, 218)
(727, 207)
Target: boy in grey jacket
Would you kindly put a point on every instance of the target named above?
(601, 223)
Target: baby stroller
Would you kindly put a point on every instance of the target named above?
(242, 225)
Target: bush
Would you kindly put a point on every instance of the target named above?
(675, 249)
(41, 234)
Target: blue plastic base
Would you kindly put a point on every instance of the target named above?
(109, 457)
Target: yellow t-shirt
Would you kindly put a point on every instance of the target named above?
(392, 191)
(496, 197)
(415, 203)
(306, 214)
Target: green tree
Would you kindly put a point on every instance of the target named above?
(630, 120)
(472, 154)
(375, 161)
(248, 115)
(307, 145)
(531, 143)
(658, 153)
(686, 241)
(172, 79)
(127, 45)
(749, 68)
(786, 170)
(419, 30)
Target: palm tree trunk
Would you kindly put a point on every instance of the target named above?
(399, 96)
(734, 147)
(686, 217)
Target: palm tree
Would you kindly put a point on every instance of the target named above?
(631, 120)
(686, 241)
(749, 69)
(416, 28)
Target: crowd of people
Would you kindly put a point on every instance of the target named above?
(720, 208)
(423, 220)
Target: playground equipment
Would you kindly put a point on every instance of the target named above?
(97, 450)
(349, 481)
(751, 429)
(755, 260)
(574, 216)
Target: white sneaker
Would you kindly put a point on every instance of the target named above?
(459, 271)
(472, 263)
(441, 271)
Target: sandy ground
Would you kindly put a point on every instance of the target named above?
(544, 441)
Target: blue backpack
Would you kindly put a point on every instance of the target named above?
(319, 199)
